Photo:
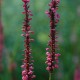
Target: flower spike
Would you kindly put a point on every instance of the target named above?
(27, 73)
(52, 56)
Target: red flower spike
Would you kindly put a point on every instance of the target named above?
(52, 57)
(27, 73)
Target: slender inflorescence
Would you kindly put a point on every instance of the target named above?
(1, 39)
(52, 56)
(1, 43)
(27, 73)
(1, 33)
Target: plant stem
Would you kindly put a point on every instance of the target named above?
(49, 76)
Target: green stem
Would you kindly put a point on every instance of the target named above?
(50, 76)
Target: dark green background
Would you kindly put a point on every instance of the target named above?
(68, 32)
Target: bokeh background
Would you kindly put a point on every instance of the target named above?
(69, 39)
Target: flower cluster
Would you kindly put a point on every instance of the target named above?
(1, 40)
(27, 73)
(77, 73)
(52, 56)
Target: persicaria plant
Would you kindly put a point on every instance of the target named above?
(52, 56)
(1, 39)
(27, 73)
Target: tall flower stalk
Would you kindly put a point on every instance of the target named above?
(1, 32)
(1, 44)
(52, 56)
(27, 73)
(1, 38)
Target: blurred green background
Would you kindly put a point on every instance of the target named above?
(68, 32)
